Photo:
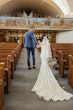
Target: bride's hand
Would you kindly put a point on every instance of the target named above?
(37, 46)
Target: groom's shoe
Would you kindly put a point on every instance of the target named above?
(29, 68)
(34, 67)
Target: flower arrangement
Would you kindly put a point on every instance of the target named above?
(52, 61)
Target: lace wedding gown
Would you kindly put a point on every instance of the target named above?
(46, 86)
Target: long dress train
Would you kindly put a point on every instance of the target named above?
(46, 86)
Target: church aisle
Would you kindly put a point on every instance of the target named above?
(21, 97)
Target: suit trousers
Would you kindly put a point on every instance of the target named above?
(32, 51)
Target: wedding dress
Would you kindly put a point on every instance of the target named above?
(46, 86)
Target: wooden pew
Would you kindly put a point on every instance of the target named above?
(10, 48)
(7, 49)
(70, 76)
(16, 54)
(17, 51)
(55, 47)
(13, 55)
(64, 47)
(63, 61)
(7, 73)
(1, 86)
(4, 55)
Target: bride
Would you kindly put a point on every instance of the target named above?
(46, 86)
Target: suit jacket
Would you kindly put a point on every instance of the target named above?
(29, 40)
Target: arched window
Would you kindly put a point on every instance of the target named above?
(63, 5)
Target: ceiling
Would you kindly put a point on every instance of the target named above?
(45, 8)
(70, 2)
(35, 5)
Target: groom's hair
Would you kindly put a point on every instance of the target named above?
(32, 27)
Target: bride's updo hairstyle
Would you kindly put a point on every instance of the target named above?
(43, 37)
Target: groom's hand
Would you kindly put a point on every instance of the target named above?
(37, 46)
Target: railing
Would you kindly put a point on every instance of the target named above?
(39, 23)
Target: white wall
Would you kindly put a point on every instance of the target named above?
(64, 37)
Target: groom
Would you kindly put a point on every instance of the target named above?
(30, 45)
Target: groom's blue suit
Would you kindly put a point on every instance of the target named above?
(30, 43)
(29, 40)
